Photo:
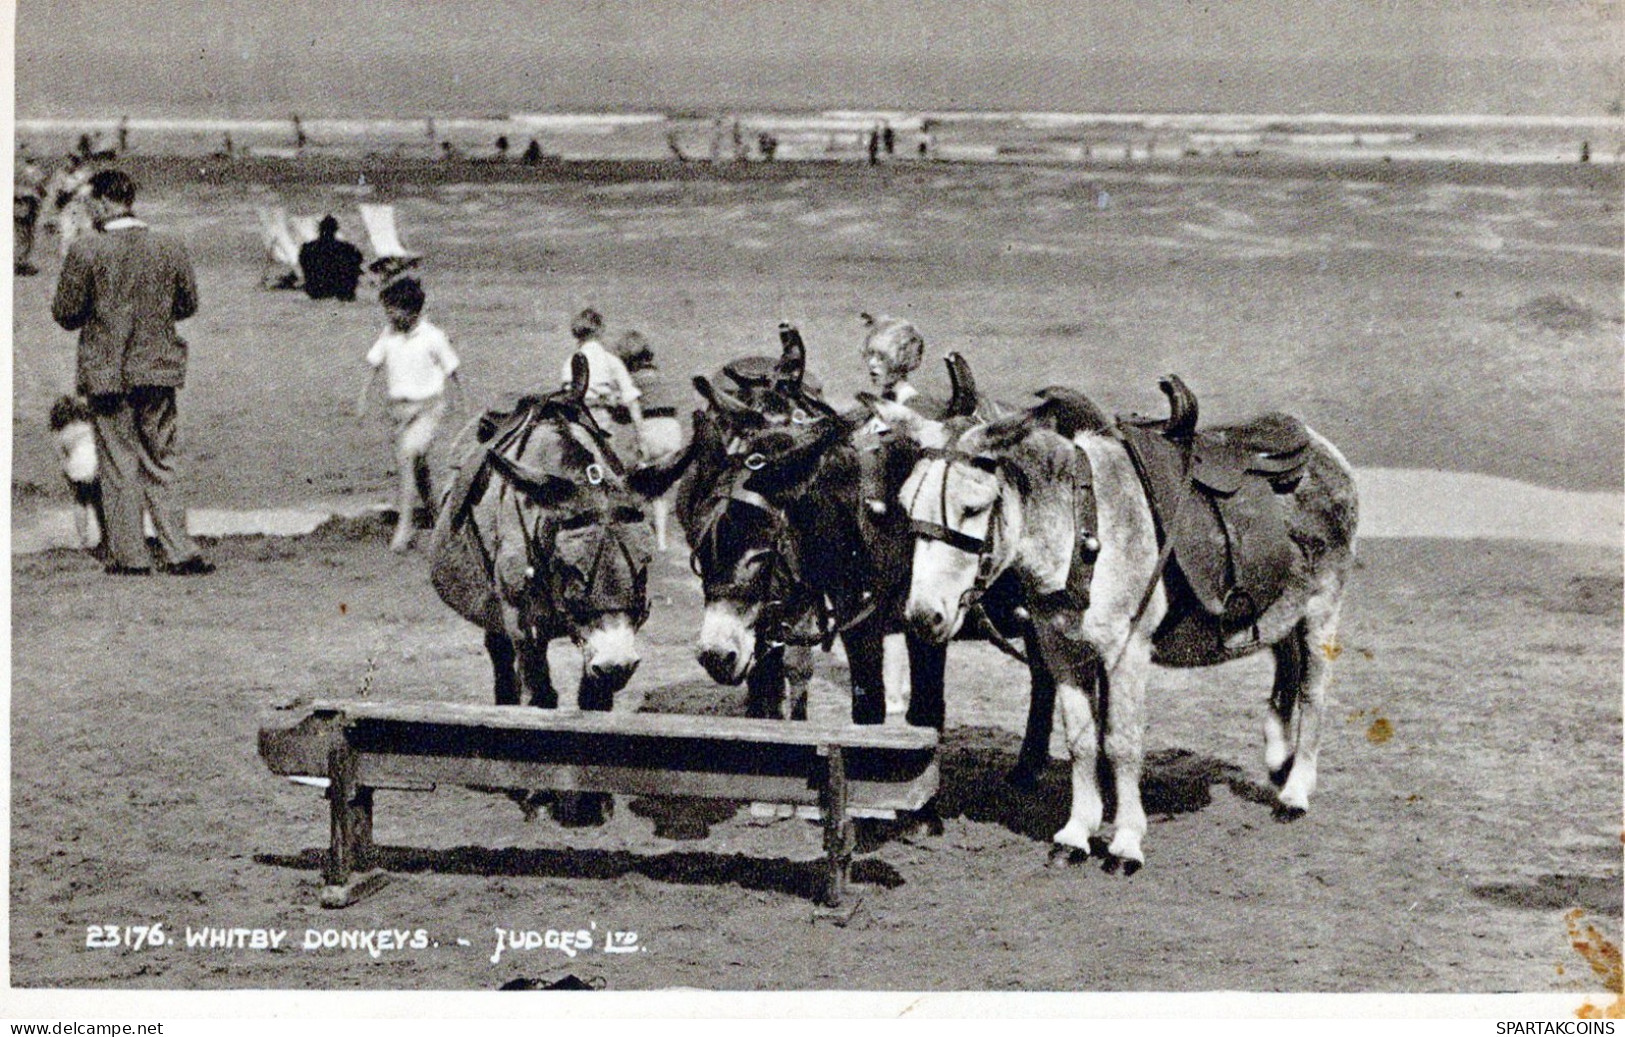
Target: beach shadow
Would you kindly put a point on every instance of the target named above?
(975, 761)
(1598, 894)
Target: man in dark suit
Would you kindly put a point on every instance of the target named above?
(332, 268)
(123, 289)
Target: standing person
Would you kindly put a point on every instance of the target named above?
(123, 290)
(661, 434)
(609, 383)
(418, 366)
(331, 268)
(27, 193)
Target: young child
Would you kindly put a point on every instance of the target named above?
(419, 367)
(660, 435)
(612, 396)
(76, 450)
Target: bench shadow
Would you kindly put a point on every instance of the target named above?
(801, 879)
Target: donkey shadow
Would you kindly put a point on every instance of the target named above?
(974, 763)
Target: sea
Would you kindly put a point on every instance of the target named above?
(846, 135)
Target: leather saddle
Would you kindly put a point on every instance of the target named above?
(1213, 493)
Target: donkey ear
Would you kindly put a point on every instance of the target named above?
(720, 401)
(965, 398)
(1007, 432)
(577, 390)
(792, 365)
(651, 481)
(905, 421)
(1069, 412)
(544, 488)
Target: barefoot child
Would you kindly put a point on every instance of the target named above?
(75, 441)
(660, 435)
(417, 364)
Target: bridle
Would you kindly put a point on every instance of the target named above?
(785, 597)
(988, 547)
(559, 586)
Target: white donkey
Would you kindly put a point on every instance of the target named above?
(1055, 495)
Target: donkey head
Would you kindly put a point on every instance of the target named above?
(571, 544)
(982, 498)
(748, 545)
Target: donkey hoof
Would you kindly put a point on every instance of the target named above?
(1278, 775)
(1286, 815)
(1071, 856)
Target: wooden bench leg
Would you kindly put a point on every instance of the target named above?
(838, 906)
(351, 870)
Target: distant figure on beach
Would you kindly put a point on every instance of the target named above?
(768, 145)
(533, 153)
(67, 190)
(502, 148)
(888, 139)
(27, 198)
(419, 371)
(660, 437)
(331, 268)
(299, 138)
(123, 134)
(874, 146)
(1585, 151)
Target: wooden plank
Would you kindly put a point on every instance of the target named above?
(678, 725)
(909, 794)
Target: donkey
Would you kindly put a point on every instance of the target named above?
(1055, 495)
(742, 546)
(542, 534)
(792, 527)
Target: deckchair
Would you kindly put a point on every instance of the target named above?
(392, 258)
(282, 238)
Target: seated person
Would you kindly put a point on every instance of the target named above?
(331, 268)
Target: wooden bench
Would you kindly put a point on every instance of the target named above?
(357, 746)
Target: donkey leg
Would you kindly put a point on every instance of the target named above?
(505, 679)
(927, 663)
(537, 678)
(764, 688)
(1123, 698)
(1290, 660)
(798, 671)
(1034, 756)
(1073, 670)
(1320, 646)
(866, 663)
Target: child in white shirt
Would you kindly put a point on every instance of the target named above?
(418, 365)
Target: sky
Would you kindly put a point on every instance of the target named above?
(247, 58)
